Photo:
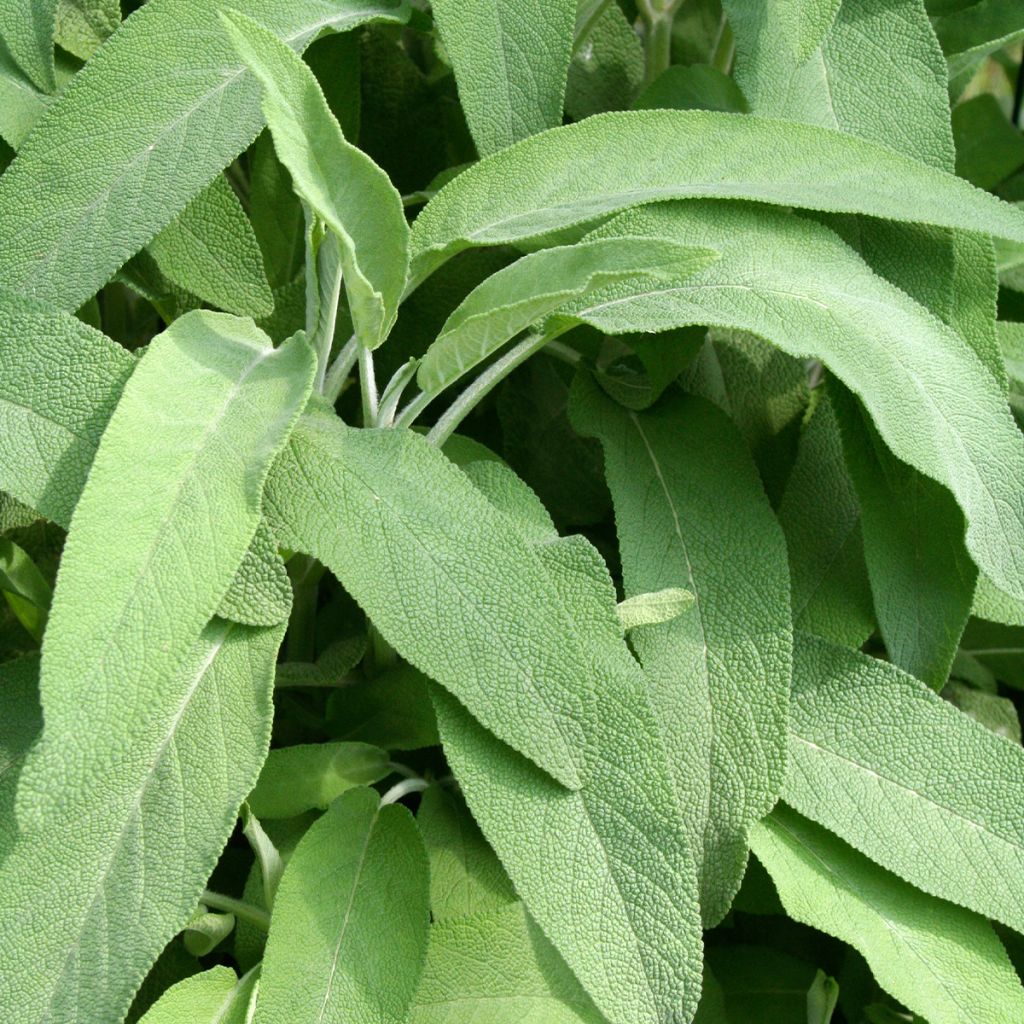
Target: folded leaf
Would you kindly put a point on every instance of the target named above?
(496, 968)
(216, 996)
(510, 64)
(940, 808)
(210, 250)
(349, 930)
(726, 662)
(437, 571)
(126, 185)
(938, 960)
(341, 184)
(534, 287)
(644, 156)
(816, 298)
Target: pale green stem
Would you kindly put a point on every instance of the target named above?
(725, 48)
(368, 386)
(402, 789)
(324, 341)
(658, 16)
(340, 369)
(408, 415)
(242, 910)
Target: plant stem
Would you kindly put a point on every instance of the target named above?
(403, 788)
(416, 405)
(242, 910)
(368, 385)
(340, 369)
(324, 340)
(658, 16)
(725, 48)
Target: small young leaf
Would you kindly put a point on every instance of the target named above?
(342, 185)
(24, 587)
(349, 930)
(654, 608)
(941, 961)
(312, 775)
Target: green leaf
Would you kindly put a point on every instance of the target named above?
(260, 593)
(84, 25)
(497, 968)
(128, 184)
(216, 996)
(210, 250)
(21, 720)
(533, 288)
(21, 104)
(938, 807)
(641, 157)
(974, 30)
(998, 648)
(466, 877)
(510, 64)
(940, 961)
(718, 676)
(692, 87)
(988, 147)
(761, 984)
(206, 930)
(26, 28)
(616, 896)
(54, 420)
(410, 548)
(312, 775)
(996, 713)
(820, 517)
(24, 587)
(818, 299)
(654, 608)
(342, 185)
(607, 67)
(349, 930)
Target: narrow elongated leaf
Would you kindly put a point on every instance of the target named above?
(26, 28)
(940, 961)
(385, 511)
(510, 64)
(20, 723)
(216, 996)
(210, 250)
(649, 155)
(939, 808)
(496, 968)
(975, 29)
(341, 184)
(127, 184)
(818, 299)
(535, 286)
(672, 471)
(349, 930)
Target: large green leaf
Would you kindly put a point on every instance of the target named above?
(510, 64)
(341, 184)
(726, 661)
(26, 29)
(649, 155)
(907, 779)
(216, 996)
(437, 571)
(155, 540)
(497, 968)
(349, 930)
(938, 960)
(120, 162)
(534, 287)
(817, 298)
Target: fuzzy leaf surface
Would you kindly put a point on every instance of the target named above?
(215, 996)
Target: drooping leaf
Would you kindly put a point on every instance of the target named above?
(62, 244)
(497, 968)
(940, 961)
(640, 157)
(311, 775)
(726, 662)
(216, 996)
(210, 250)
(938, 807)
(510, 64)
(342, 185)
(988, 147)
(534, 287)
(466, 877)
(818, 299)
(349, 930)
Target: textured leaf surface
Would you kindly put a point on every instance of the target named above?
(366, 501)
(533, 288)
(617, 895)
(940, 961)
(349, 930)
(940, 807)
(216, 996)
(510, 64)
(260, 593)
(672, 471)
(84, 25)
(816, 298)
(340, 183)
(23, 104)
(645, 156)
(496, 968)
(129, 179)
(210, 250)
(26, 28)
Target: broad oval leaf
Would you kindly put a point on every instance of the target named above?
(644, 156)
(216, 996)
(110, 188)
(940, 807)
(349, 931)
(340, 183)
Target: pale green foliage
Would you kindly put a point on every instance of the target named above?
(652, 609)
(26, 27)
(941, 961)
(510, 63)
(82, 26)
(216, 996)
(349, 931)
